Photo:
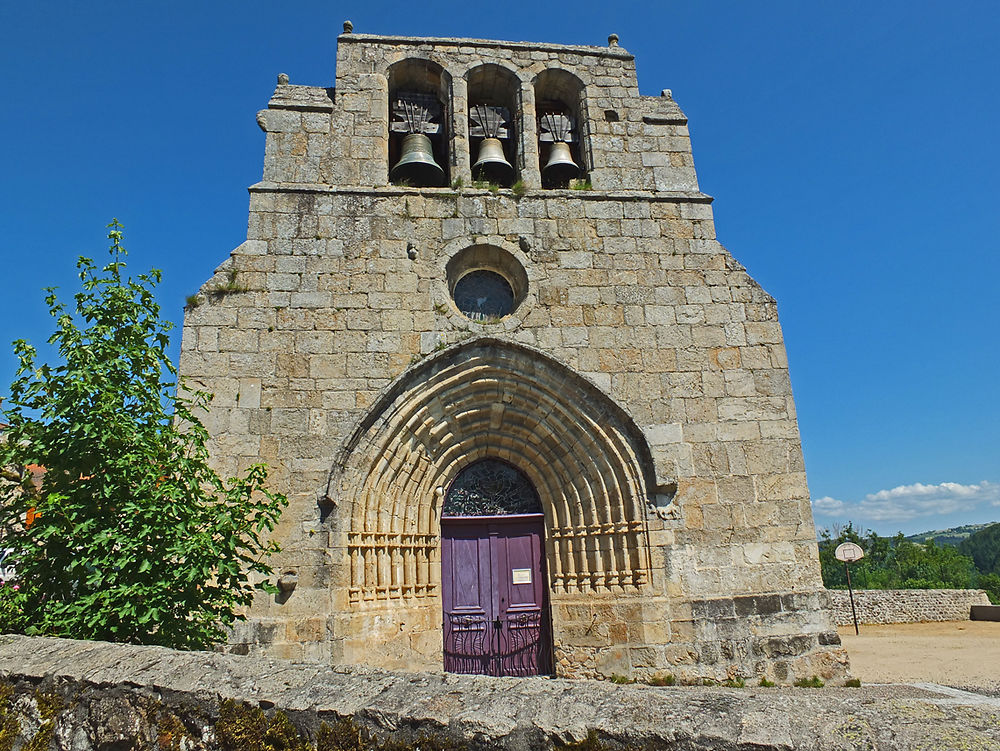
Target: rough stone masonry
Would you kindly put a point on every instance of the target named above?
(80, 696)
(633, 379)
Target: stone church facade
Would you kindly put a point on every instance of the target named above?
(600, 475)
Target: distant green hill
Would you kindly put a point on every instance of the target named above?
(953, 536)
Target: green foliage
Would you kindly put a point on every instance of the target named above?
(621, 680)
(519, 188)
(228, 287)
(853, 683)
(486, 185)
(137, 538)
(895, 563)
(737, 682)
(984, 549)
(765, 683)
(991, 583)
(813, 682)
(12, 606)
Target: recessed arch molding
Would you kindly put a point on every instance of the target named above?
(493, 399)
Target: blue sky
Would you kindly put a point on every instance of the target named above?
(851, 148)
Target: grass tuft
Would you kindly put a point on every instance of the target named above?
(813, 682)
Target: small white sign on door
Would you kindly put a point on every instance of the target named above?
(520, 575)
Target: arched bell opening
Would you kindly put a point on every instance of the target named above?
(494, 111)
(420, 99)
(560, 106)
(494, 591)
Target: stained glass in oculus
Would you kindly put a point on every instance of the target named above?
(490, 488)
(484, 294)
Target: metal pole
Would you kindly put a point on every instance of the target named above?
(854, 613)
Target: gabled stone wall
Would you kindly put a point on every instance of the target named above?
(641, 353)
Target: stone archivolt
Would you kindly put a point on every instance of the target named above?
(492, 399)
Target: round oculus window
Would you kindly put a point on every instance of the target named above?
(484, 294)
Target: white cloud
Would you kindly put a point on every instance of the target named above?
(827, 505)
(908, 502)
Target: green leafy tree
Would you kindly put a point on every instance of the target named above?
(984, 547)
(135, 537)
(991, 583)
(895, 563)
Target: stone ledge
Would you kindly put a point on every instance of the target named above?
(111, 693)
(578, 49)
(678, 196)
(302, 98)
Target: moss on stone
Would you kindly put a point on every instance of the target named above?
(170, 731)
(343, 735)
(245, 728)
(346, 735)
(10, 726)
(42, 738)
(242, 727)
(49, 704)
(590, 743)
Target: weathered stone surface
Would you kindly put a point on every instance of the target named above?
(91, 695)
(640, 380)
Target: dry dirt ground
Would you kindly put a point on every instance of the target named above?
(963, 654)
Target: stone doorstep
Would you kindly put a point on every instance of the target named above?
(109, 689)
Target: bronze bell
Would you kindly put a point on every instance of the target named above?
(560, 168)
(416, 166)
(492, 165)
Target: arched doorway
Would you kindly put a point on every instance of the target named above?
(493, 583)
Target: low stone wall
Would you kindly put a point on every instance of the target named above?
(82, 696)
(905, 605)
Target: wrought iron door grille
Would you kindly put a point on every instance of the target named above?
(512, 646)
(466, 642)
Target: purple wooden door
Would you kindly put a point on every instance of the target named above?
(493, 587)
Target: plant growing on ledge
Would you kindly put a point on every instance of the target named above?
(230, 286)
(134, 537)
